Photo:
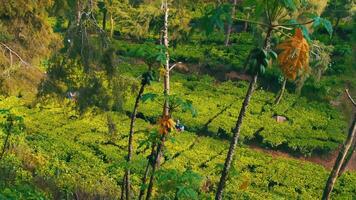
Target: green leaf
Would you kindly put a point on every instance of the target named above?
(188, 106)
(289, 4)
(148, 96)
(265, 62)
(322, 22)
(273, 55)
(262, 69)
(327, 25)
(4, 111)
(305, 32)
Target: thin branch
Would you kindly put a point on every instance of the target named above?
(174, 65)
(12, 52)
(295, 24)
(283, 33)
(350, 98)
(252, 22)
(274, 26)
(282, 27)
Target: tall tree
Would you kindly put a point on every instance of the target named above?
(273, 12)
(146, 80)
(340, 160)
(166, 121)
(229, 26)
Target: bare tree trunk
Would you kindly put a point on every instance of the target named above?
(236, 134)
(347, 159)
(319, 74)
(129, 155)
(79, 12)
(166, 103)
(144, 178)
(229, 27)
(112, 25)
(154, 168)
(246, 23)
(104, 19)
(339, 161)
(299, 84)
(281, 92)
(5, 145)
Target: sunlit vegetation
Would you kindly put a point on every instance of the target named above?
(177, 99)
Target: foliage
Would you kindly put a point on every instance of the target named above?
(173, 184)
(294, 58)
(79, 158)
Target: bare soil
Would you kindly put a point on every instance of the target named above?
(325, 160)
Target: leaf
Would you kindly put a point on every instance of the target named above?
(148, 96)
(327, 25)
(273, 55)
(188, 106)
(318, 21)
(4, 111)
(289, 4)
(294, 57)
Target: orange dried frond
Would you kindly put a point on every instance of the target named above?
(166, 124)
(294, 57)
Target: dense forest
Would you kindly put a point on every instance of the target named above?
(177, 99)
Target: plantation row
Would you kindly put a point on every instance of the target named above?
(311, 127)
(61, 156)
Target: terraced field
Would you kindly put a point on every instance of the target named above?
(62, 154)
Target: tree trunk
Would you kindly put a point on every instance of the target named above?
(154, 167)
(144, 178)
(129, 155)
(299, 84)
(166, 103)
(236, 134)
(319, 74)
(281, 92)
(79, 12)
(229, 27)
(339, 161)
(246, 23)
(5, 145)
(112, 25)
(104, 19)
(347, 159)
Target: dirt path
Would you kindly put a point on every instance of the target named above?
(327, 161)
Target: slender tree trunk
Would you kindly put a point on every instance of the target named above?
(104, 19)
(300, 84)
(79, 12)
(339, 161)
(281, 92)
(129, 155)
(229, 27)
(154, 168)
(5, 145)
(246, 23)
(347, 159)
(236, 134)
(144, 178)
(166, 103)
(112, 25)
(319, 74)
